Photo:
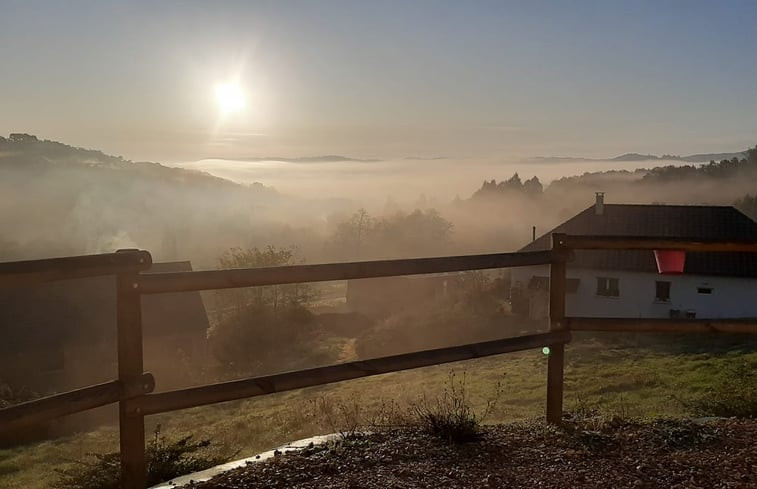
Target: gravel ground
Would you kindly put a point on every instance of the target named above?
(592, 453)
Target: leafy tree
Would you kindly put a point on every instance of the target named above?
(724, 169)
(274, 296)
(399, 235)
(748, 205)
(259, 328)
(261, 340)
(513, 183)
(512, 186)
(533, 186)
(351, 234)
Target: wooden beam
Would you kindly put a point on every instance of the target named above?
(155, 283)
(556, 360)
(258, 386)
(39, 411)
(20, 273)
(651, 243)
(130, 364)
(663, 325)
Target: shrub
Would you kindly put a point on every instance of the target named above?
(257, 341)
(450, 416)
(259, 330)
(349, 416)
(273, 297)
(165, 460)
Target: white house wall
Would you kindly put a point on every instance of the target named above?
(731, 297)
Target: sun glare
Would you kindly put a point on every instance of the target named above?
(230, 98)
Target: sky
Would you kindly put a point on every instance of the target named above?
(382, 79)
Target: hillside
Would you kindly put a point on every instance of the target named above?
(64, 200)
(23, 151)
(688, 184)
(694, 158)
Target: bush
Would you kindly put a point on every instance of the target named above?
(734, 396)
(349, 417)
(274, 297)
(450, 416)
(259, 341)
(165, 460)
(260, 330)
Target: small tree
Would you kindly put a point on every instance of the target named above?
(748, 205)
(275, 297)
(256, 327)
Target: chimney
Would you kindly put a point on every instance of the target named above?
(599, 204)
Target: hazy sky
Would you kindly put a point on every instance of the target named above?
(382, 78)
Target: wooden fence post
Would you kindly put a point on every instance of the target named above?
(556, 359)
(130, 365)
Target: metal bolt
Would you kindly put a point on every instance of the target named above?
(135, 285)
(138, 410)
(146, 387)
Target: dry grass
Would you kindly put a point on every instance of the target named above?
(627, 381)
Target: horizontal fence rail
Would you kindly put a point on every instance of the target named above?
(48, 408)
(156, 283)
(640, 243)
(662, 325)
(133, 390)
(258, 386)
(19, 273)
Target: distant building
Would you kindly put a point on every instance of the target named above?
(62, 335)
(612, 283)
(22, 138)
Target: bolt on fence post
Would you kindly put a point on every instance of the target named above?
(130, 365)
(556, 359)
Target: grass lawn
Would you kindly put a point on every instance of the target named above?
(631, 378)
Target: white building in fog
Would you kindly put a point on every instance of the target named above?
(620, 283)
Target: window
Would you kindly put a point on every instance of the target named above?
(704, 290)
(608, 287)
(662, 291)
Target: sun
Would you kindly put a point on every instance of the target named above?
(230, 98)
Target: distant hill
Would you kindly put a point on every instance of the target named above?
(63, 200)
(707, 157)
(26, 150)
(713, 182)
(634, 157)
(696, 158)
(301, 159)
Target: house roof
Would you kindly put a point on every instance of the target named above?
(660, 221)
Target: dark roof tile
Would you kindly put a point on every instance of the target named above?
(661, 221)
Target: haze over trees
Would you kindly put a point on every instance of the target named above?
(364, 236)
(63, 200)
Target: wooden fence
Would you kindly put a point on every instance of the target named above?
(133, 390)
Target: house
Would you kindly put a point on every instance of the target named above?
(621, 283)
(62, 335)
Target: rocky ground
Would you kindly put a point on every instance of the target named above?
(591, 453)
